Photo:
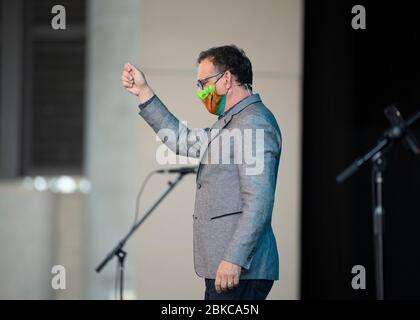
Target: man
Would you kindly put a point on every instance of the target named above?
(234, 246)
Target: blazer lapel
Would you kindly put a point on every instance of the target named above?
(223, 122)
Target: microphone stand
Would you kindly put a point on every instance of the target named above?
(376, 156)
(118, 249)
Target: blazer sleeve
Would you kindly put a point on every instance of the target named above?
(176, 135)
(257, 191)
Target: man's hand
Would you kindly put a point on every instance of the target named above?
(227, 276)
(135, 82)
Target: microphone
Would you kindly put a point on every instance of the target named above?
(181, 170)
(401, 128)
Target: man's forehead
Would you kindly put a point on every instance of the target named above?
(205, 68)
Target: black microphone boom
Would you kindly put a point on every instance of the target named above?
(401, 128)
(182, 170)
(398, 130)
(118, 250)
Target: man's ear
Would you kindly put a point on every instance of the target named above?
(228, 79)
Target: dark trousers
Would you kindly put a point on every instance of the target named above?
(257, 289)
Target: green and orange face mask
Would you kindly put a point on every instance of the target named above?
(213, 102)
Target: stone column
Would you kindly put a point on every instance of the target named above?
(111, 142)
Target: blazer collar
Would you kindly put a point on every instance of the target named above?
(221, 123)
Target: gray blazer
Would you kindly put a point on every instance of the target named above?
(233, 209)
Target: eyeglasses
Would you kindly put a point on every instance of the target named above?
(201, 82)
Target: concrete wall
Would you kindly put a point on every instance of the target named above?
(25, 243)
(112, 151)
(37, 231)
